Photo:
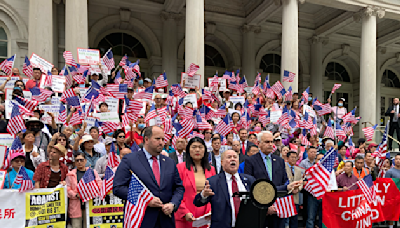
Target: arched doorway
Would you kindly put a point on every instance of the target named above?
(337, 72)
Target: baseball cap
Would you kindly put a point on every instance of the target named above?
(15, 155)
(148, 80)
(108, 141)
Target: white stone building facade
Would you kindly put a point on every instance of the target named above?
(352, 42)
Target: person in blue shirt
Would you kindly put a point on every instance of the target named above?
(251, 150)
(17, 160)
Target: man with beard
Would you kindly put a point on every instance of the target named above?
(158, 173)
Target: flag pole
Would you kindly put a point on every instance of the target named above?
(389, 136)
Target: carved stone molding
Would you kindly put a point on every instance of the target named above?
(171, 16)
(345, 49)
(381, 50)
(210, 27)
(368, 12)
(125, 14)
(317, 39)
(57, 1)
(286, 1)
(398, 57)
(250, 28)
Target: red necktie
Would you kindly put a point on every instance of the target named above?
(156, 169)
(236, 199)
(243, 149)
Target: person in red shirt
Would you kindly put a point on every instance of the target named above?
(37, 74)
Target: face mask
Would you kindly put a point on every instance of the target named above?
(140, 82)
(48, 99)
(257, 128)
(340, 104)
(309, 98)
(76, 130)
(234, 94)
(110, 134)
(35, 129)
(141, 126)
(332, 122)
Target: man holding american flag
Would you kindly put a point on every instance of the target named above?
(158, 174)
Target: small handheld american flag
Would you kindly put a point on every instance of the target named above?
(369, 132)
(288, 76)
(27, 69)
(23, 179)
(108, 59)
(7, 65)
(87, 186)
(112, 160)
(192, 69)
(367, 187)
(285, 207)
(16, 122)
(335, 87)
(107, 182)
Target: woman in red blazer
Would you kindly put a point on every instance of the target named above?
(193, 172)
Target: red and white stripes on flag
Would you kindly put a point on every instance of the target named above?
(285, 207)
(87, 186)
(335, 87)
(369, 132)
(109, 127)
(69, 59)
(192, 69)
(23, 179)
(107, 182)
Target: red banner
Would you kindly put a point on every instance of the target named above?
(348, 210)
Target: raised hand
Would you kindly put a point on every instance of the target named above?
(207, 191)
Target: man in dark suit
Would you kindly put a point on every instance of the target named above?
(244, 143)
(236, 148)
(158, 173)
(394, 113)
(219, 191)
(215, 154)
(179, 155)
(266, 165)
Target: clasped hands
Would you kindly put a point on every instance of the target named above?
(167, 208)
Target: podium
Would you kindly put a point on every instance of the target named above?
(252, 213)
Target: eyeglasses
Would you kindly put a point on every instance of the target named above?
(121, 136)
(62, 140)
(79, 160)
(268, 141)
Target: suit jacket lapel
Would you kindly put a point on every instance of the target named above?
(224, 186)
(289, 172)
(245, 182)
(190, 175)
(163, 168)
(260, 161)
(145, 163)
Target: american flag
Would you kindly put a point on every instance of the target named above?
(162, 81)
(206, 95)
(278, 89)
(138, 199)
(348, 129)
(77, 77)
(350, 144)
(234, 86)
(117, 91)
(112, 160)
(265, 119)
(146, 94)
(381, 153)
(94, 95)
(16, 147)
(319, 174)
(151, 114)
(195, 134)
(67, 94)
(73, 101)
(187, 127)
(177, 91)
(304, 139)
(243, 82)
(62, 117)
(245, 120)
(351, 117)
(16, 122)
(7, 65)
(109, 127)
(68, 79)
(118, 78)
(76, 118)
(135, 67)
(135, 147)
(27, 69)
(268, 91)
(335, 87)
(224, 126)
(123, 60)
(322, 109)
(285, 207)
(23, 179)
(289, 94)
(192, 69)
(340, 133)
(221, 112)
(256, 88)
(227, 75)
(178, 128)
(367, 187)
(39, 94)
(30, 105)
(87, 186)
(214, 83)
(206, 112)
(266, 81)
(288, 76)
(329, 131)
(305, 94)
(369, 132)
(108, 59)
(69, 59)
(202, 124)
(129, 74)
(48, 79)
(107, 182)
(284, 119)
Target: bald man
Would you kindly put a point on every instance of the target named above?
(236, 148)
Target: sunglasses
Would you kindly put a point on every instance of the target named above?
(62, 140)
(121, 136)
(79, 160)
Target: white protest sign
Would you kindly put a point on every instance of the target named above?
(91, 122)
(307, 108)
(55, 100)
(3, 150)
(231, 111)
(107, 116)
(8, 94)
(248, 89)
(190, 82)
(55, 109)
(192, 98)
(275, 115)
(82, 91)
(88, 56)
(6, 140)
(57, 83)
(237, 99)
(222, 83)
(39, 62)
(113, 104)
(10, 84)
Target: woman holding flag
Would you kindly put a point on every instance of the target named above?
(17, 161)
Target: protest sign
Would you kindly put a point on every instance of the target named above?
(237, 99)
(10, 84)
(248, 90)
(107, 116)
(39, 62)
(95, 69)
(39, 208)
(82, 91)
(2, 177)
(57, 83)
(338, 207)
(192, 98)
(55, 100)
(88, 56)
(3, 150)
(113, 104)
(190, 82)
(8, 94)
(91, 122)
(6, 139)
(307, 108)
(105, 213)
(46, 118)
(222, 83)
(275, 115)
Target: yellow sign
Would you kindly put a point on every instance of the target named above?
(106, 213)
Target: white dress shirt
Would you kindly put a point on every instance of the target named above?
(396, 112)
(218, 162)
(241, 188)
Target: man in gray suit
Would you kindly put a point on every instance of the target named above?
(179, 155)
(294, 173)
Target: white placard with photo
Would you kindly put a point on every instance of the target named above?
(91, 122)
(190, 82)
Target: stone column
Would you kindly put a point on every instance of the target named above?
(368, 62)
(76, 25)
(380, 51)
(194, 36)
(170, 46)
(249, 52)
(290, 41)
(40, 39)
(317, 73)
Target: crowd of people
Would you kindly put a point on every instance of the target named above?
(194, 173)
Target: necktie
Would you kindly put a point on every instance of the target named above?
(236, 199)
(269, 167)
(156, 169)
(243, 149)
(292, 168)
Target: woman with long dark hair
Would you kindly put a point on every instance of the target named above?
(193, 172)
